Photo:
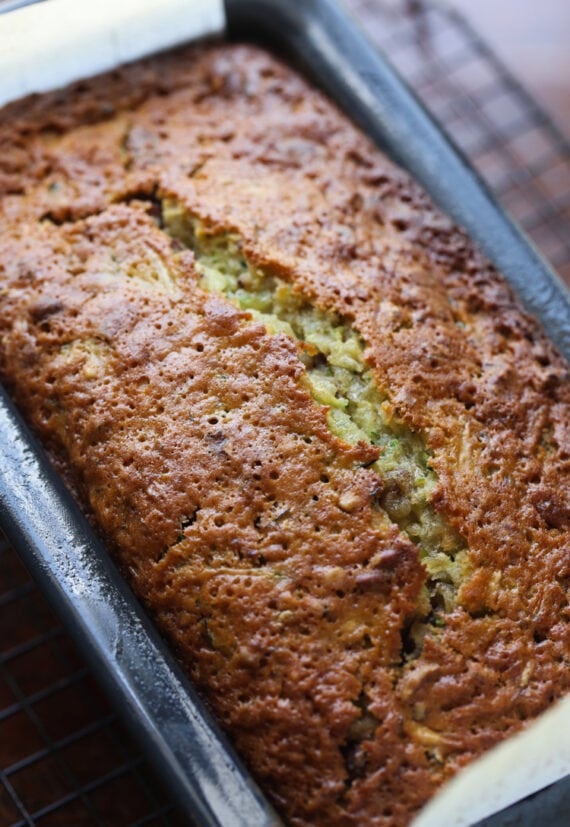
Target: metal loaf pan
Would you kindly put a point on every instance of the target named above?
(196, 762)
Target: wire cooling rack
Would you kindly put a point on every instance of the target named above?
(65, 760)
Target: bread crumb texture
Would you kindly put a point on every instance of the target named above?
(328, 448)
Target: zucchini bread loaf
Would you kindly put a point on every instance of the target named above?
(325, 444)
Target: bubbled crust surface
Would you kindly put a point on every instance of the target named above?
(211, 472)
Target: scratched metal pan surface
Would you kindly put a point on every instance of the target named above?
(204, 775)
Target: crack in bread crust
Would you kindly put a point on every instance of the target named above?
(337, 376)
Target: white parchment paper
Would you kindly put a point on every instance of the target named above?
(524, 764)
(48, 45)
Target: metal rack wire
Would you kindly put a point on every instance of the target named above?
(64, 758)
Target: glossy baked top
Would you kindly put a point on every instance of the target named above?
(329, 449)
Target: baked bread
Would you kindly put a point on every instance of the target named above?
(324, 442)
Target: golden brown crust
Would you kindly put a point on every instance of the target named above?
(213, 474)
